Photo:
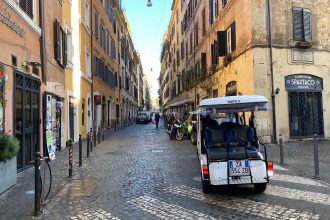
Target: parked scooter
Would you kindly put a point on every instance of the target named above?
(175, 130)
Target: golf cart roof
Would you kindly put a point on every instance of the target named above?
(234, 104)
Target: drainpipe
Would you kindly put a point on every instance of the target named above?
(43, 52)
(270, 45)
(92, 63)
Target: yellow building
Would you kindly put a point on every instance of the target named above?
(104, 50)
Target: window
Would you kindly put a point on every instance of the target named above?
(211, 12)
(191, 42)
(214, 53)
(108, 44)
(215, 93)
(114, 26)
(96, 24)
(196, 34)
(102, 35)
(88, 63)
(227, 40)
(70, 47)
(27, 7)
(61, 45)
(87, 14)
(224, 3)
(203, 22)
(216, 8)
(302, 30)
(113, 49)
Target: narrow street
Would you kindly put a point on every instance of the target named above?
(139, 173)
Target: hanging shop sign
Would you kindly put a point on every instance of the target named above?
(5, 17)
(303, 82)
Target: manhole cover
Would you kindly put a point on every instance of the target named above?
(157, 151)
(80, 188)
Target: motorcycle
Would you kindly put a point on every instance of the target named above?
(175, 130)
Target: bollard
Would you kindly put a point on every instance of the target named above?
(80, 150)
(281, 149)
(95, 136)
(70, 158)
(316, 158)
(103, 134)
(37, 185)
(91, 139)
(99, 135)
(87, 144)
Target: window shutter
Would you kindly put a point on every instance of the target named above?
(212, 54)
(215, 47)
(222, 43)
(96, 25)
(55, 40)
(65, 49)
(211, 12)
(233, 36)
(297, 24)
(307, 25)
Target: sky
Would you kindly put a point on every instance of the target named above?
(148, 26)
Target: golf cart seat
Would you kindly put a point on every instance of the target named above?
(224, 143)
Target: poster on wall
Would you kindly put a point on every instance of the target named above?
(51, 148)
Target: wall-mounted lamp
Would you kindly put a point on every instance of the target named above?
(277, 91)
(149, 4)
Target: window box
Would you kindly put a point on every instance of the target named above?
(304, 44)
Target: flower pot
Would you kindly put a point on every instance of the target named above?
(8, 174)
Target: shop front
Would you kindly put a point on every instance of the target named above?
(26, 116)
(54, 124)
(305, 105)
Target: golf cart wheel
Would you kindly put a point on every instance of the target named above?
(260, 187)
(206, 187)
(179, 136)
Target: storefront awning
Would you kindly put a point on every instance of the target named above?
(180, 103)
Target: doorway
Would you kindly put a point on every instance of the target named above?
(305, 114)
(26, 117)
(71, 119)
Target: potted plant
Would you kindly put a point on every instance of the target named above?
(9, 147)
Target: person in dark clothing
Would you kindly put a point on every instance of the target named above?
(157, 116)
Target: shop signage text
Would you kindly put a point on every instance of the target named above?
(303, 82)
(5, 18)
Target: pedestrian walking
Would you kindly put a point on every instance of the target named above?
(157, 116)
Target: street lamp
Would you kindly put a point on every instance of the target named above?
(149, 4)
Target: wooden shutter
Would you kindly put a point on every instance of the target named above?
(212, 54)
(65, 49)
(297, 24)
(307, 25)
(57, 41)
(222, 43)
(96, 24)
(211, 12)
(216, 54)
(233, 36)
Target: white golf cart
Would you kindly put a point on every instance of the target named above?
(228, 147)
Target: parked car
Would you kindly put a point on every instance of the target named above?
(142, 117)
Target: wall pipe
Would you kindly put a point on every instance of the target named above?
(270, 45)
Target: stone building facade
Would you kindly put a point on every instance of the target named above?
(278, 49)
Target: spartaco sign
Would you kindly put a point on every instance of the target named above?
(303, 82)
(5, 18)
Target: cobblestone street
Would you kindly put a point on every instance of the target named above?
(138, 173)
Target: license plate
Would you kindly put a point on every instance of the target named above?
(239, 168)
